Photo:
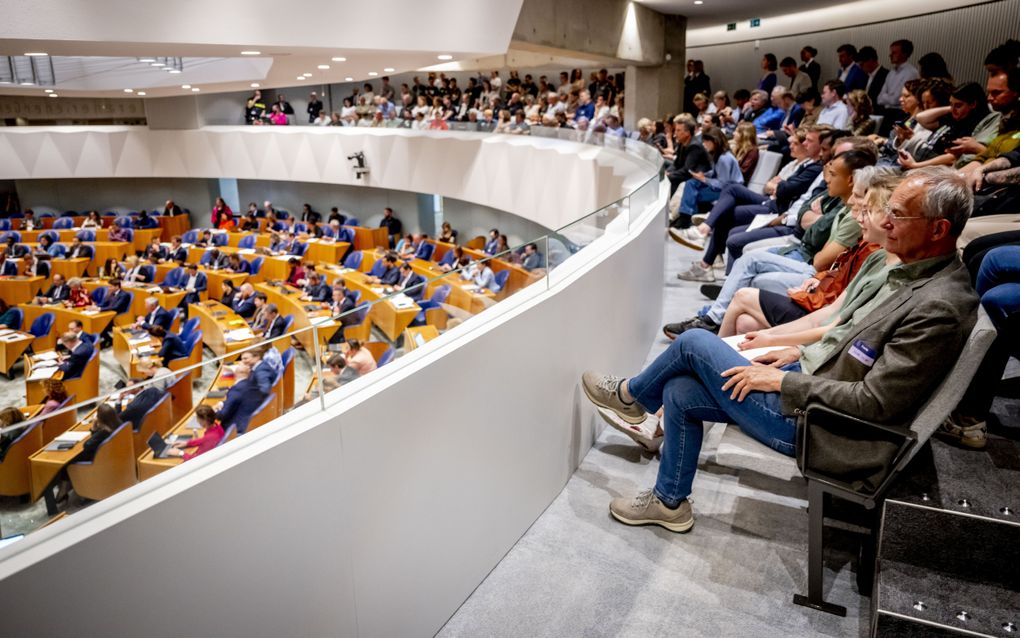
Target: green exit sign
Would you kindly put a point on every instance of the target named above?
(755, 22)
(731, 26)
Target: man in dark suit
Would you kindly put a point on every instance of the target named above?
(194, 284)
(138, 408)
(262, 374)
(244, 304)
(390, 275)
(73, 365)
(155, 251)
(237, 264)
(154, 315)
(867, 58)
(809, 66)
(341, 308)
(177, 250)
(492, 245)
(59, 291)
(242, 399)
(411, 283)
(79, 249)
(275, 324)
(36, 267)
(172, 209)
(117, 301)
(316, 289)
(173, 347)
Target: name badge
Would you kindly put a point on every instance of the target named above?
(863, 353)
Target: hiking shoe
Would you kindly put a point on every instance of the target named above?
(964, 430)
(697, 272)
(643, 434)
(711, 291)
(647, 509)
(689, 237)
(604, 391)
(674, 330)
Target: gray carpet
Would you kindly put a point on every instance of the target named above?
(576, 572)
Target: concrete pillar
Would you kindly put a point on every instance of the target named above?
(173, 113)
(655, 90)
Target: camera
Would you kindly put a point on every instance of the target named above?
(359, 164)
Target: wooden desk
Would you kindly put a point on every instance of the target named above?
(428, 333)
(167, 299)
(69, 268)
(46, 464)
(143, 237)
(215, 278)
(463, 294)
(175, 225)
(20, 289)
(367, 238)
(65, 236)
(216, 320)
(12, 346)
(102, 250)
(125, 355)
(288, 302)
(93, 323)
(383, 313)
(329, 252)
(261, 238)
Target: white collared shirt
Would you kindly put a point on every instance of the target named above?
(889, 96)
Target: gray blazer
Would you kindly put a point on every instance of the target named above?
(917, 335)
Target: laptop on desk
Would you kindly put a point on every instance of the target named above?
(160, 447)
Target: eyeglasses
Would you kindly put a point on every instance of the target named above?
(893, 215)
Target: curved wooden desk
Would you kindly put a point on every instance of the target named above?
(384, 313)
(13, 344)
(20, 289)
(92, 322)
(288, 302)
(216, 321)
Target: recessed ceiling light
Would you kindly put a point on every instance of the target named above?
(251, 53)
(307, 75)
(28, 84)
(185, 86)
(48, 91)
(699, 1)
(373, 73)
(195, 90)
(339, 59)
(129, 90)
(301, 77)
(140, 93)
(146, 59)
(157, 64)
(255, 85)
(35, 54)
(323, 66)
(388, 69)
(175, 71)
(53, 95)
(445, 56)
(348, 79)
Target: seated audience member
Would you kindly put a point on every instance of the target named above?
(310, 216)
(8, 315)
(144, 400)
(738, 205)
(704, 188)
(358, 359)
(258, 320)
(492, 244)
(458, 255)
(194, 284)
(860, 113)
(170, 209)
(212, 435)
(92, 221)
(834, 111)
(341, 308)
(782, 268)
(906, 134)
(262, 372)
(172, 347)
(120, 233)
(35, 267)
(205, 240)
(917, 324)
(78, 329)
(145, 222)
(244, 302)
(155, 315)
(391, 274)
(117, 301)
(56, 394)
(104, 424)
(249, 223)
(77, 296)
(316, 289)
(56, 293)
(134, 272)
(296, 277)
(44, 247)
(410, 283)
(271, 357)
(237, 264)
(177, 252)
(275, 324)
(966, 118)
(407, 249)
(218, 260)
(242, 399)
(691, 156)
(9, 416)
(533, 260)
(1004, 97)
(73, 364)
(28, 221)
(745, 149)
(79, 250)
(481, 275)
(771, 119)
(14, 249)
(155, 251)
(112, 269)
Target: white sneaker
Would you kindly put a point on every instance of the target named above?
(642, 433)
(689, 237)
(697, 272)
(698, 220)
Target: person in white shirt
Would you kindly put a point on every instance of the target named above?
(134, 270)
(834, 112)
(900, 73)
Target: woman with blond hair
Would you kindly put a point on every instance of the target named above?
(745, 149)
(861, 123)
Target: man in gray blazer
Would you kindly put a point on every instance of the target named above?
(878, 364)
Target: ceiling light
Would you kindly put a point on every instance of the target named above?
(185, 86)
(255, 85)
(195, 90)
(157, 64)
(48, 91)
(251, 53)
(35, 54)
(373, 73)
(323, 66)
(339, 59)
(146, 59)
(175, 70)
(129, 90)
(388, 69)
(140, 93)
(699, 1)
(28, 84)
(53, 95)
(301, 77)
(445, 56)
(348, 79)
(307, 75)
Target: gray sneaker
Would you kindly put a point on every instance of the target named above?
(603, 391)
(689, 237)
(964, 430)
(647, 509)
(697, 272)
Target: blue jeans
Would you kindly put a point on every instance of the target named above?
(741, 237)
(687, 381)
(696, 192)
(749, 268)
(998, 283)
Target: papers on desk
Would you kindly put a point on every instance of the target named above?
(379, 290)
(71, 437)
(753, 352)
(90, 312)
(246, 251)
(146, 351)
(5, 332)
(154, 290)
(38, 374)
(13, 337)
(318, 321)
(45, 356)
(241, 334)
(761, 221)
(137, 341)
(402, 301)
(469, 288)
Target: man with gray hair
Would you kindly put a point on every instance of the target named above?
(879, 364)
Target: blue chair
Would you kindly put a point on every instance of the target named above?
(11, 233)
(500, 280)
(150, 272)
(378, 268)
(439, 296)
(282, 214)
(98, 295)
(355, 295)
(46, 213)
(228, 434)
(256, 265)
(299, 249)
(386, 357)
(188, 328)
(220, 239)
(279, 226)
(19, 318)
(174, 314)
(42, 324)
(110, 213)
(69, 213)
(287, 356)
(425, 251)
(123, 222)
(353, 260)
(5, 224)
(346, 234)
(52, 234)
(189, 344)
(206, 258)
(130, 234)
(265, 404)
(288, 323)
(353, 221)
(327, 231)
(173, 278)
(86, 235)
(190, 237)
(447, 258)
(64, 223)
(57, 250)
(247, 242)
(300, 227)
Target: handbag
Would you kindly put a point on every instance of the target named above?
(834, 281)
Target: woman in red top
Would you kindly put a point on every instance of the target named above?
(297, 273)
(78, 297)
(211, 438)
(221, 214)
